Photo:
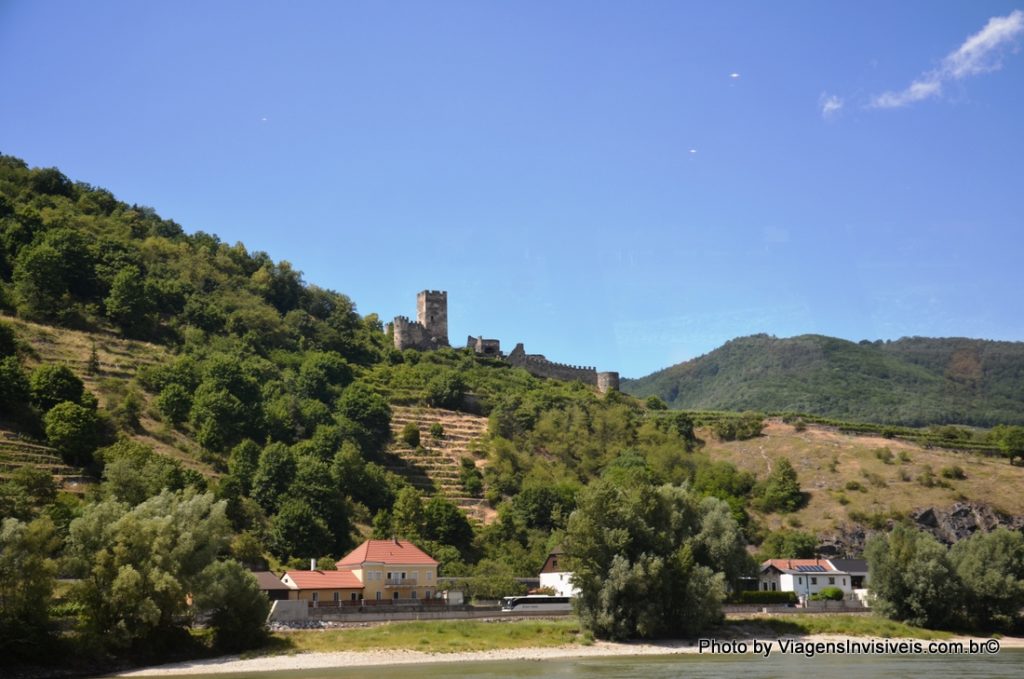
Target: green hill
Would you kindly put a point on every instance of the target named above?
(912, 381)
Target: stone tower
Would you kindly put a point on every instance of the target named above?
(432, 314)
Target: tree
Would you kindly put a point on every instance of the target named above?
(370, 414)
(28, 490)
(780, 492)
(297, 531)
(493, 579)
(323, 375)
(132, 472)
(447, 390)
(52, 384)
(991, 567)
(238, 609)
(74, 431)
(8, 340)
(27, 574)
(39, 283)
(274, 474)
(1010, 440)
(655, 403)
(174, 403)
(218, 417)
(139, 564)
(444, 522)
(129, 303)
(789, 544)
(912, 579)
(648, 560)
(243, 462)
(14, 386)
(407, 517)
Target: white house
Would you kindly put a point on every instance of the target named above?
(803, 576)
(555, 576)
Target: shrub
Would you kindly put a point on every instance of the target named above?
(799, 425)
(904, 457)
(855, 485)
(885, 455)
(828, 594)
(437, 430)
(756, 597)
(953, 472)
(411, 435)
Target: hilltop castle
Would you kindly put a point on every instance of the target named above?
(430, 331)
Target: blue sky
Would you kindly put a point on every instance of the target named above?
(625, 185)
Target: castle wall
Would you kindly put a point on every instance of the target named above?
(539, 366)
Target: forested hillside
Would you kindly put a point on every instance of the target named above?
(914, 381)
(165, 388)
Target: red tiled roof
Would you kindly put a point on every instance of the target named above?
(324, 579)
(794, 564)
(387, 552)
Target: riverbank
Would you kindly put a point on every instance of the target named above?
(313, 660)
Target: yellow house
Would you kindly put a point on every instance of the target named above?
(324, 588)
(392, 570)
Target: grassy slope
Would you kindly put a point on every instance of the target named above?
(989, 479)
(913, 381)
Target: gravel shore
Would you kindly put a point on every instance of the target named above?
(306, 661)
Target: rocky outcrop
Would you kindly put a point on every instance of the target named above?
(948, 525)
(962, 520)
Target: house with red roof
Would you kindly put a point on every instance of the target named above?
(324, 588)
(391, 570)
(803, 576)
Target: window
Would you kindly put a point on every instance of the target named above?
(844, 582)
(764, 586)
(316, 598)
(395, 596)
(378, 596)
(831, 580)
(799, 581)
(814, 581)
(337, 597)
(412, 594)
(353, 596)
(773, 586)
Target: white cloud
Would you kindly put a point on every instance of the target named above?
(830, 105)
(734, 76)
(692, 151)
(980, 53)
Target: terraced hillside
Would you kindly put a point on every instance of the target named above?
(434, 467)
(108, 375)
(16, 452)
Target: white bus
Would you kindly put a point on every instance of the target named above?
(536, 602)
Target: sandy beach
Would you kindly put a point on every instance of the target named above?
(308, 661)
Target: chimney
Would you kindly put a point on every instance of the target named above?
(395, 538)
(312, 564)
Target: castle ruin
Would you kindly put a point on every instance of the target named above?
(430, 331)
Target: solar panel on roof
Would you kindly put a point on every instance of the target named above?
(811, 569)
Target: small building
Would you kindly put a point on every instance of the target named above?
(556, 576)
(803, 576)
(324, 588)
(857, 568)
(392, 570)
(271, 585)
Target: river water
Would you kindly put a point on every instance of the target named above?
(1008, 664)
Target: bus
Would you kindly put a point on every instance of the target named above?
(536, 602)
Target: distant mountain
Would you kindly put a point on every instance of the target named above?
(913, 381)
